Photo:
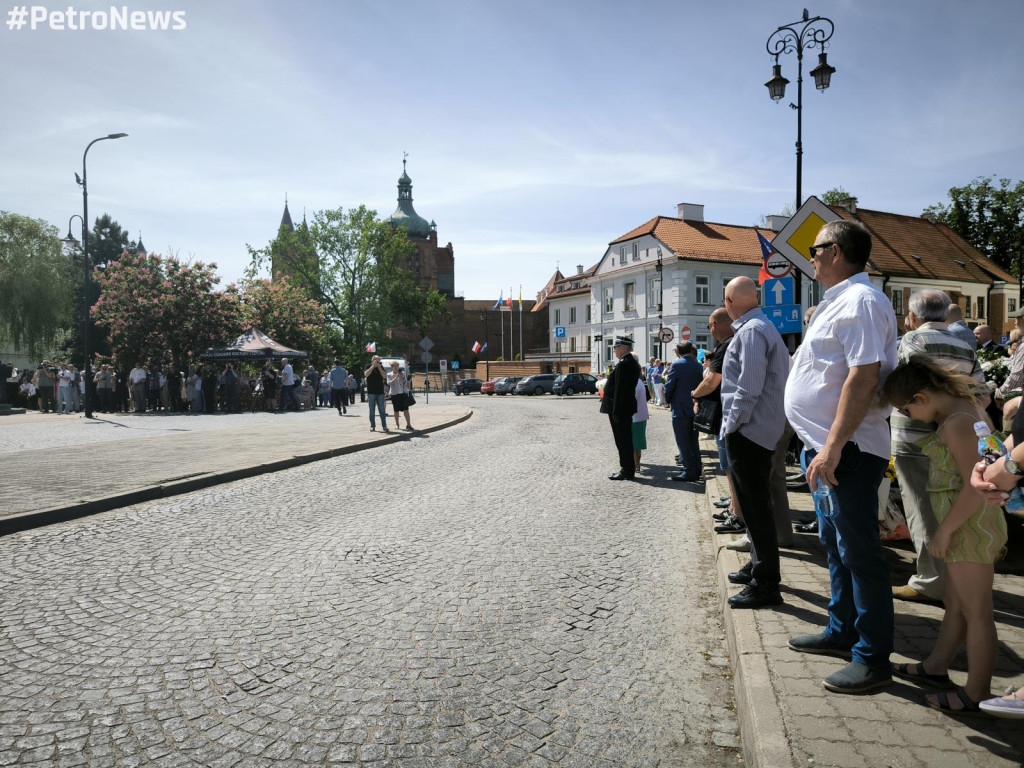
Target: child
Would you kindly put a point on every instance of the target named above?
(971, 533)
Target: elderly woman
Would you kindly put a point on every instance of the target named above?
(398, 386)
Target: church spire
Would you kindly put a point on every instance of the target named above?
(286, 218)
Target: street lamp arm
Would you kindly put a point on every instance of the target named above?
(789, 37)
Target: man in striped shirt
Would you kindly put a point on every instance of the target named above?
(928, 334)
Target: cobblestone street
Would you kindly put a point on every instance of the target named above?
(481, 595)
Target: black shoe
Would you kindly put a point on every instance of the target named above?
(820, 644)
(806, 527)
(741, 576)
(735, 525)
(722, 516)
(620, 475)
(683, 478)
(723, 503)
(858, 678)
(755, 597)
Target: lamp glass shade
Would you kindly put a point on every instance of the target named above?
(777, 85)
(822, 73)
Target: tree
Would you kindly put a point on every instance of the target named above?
(106, 241)
(282, 310)
(160, 309)
(989, 217)
(360, 279)
(36, 284)
(834, 196)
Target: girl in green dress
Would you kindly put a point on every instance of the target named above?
(971, 534)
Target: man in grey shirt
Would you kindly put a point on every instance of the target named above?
(339, 386)
(753, 397)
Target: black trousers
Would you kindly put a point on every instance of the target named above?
(622, 431)
(339, 398)
(751, 468)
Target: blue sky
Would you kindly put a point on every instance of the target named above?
(537, 131)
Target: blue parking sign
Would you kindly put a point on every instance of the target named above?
(786, 319)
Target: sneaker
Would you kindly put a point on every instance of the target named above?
(858, 678)
(374, 429)
(908, 593)
(820, 643)
(742, 544)
(756, 597)
(1007, 706)
(723, 503)
(732, 525)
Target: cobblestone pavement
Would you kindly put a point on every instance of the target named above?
(481, 595)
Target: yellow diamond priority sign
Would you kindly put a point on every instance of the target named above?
(797, 237)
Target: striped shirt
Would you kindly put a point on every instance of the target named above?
(754, 381)
(1015, 378)
(948, 350)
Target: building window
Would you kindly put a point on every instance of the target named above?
(572, 343)
(590, 342)
(586, 314)
(654, 294)
(701, 341)
(654, 344)
(1011, 306)
(967, 307)
(558, 317)
(630, 297)
(609, 355)
(572, 315)
(609, 299)
(725, 282)
(981, 307)
(703, 290)
(897, 301)
(636, 251)
(622, 254)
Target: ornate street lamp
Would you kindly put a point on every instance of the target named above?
(800, 35)
(83, 182)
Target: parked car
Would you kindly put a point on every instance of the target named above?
(487, 388)
(465, 386)
(571, 383)
(538, 384)
(507, 385)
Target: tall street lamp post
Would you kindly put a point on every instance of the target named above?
(83, 182)
(799, 35)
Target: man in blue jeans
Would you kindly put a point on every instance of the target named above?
(375, 377)
(849, 348)
(683, 377)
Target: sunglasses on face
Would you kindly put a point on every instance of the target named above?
(815, 248)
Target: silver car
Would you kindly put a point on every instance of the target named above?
(506, 385)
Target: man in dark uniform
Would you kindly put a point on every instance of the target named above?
(619, 402)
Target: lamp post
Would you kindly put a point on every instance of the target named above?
(83, 182)
(807, 33)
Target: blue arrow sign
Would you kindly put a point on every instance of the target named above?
(778, 292)
(785, 318)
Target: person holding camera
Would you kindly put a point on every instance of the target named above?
(375, 378)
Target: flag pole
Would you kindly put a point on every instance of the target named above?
(522, 354)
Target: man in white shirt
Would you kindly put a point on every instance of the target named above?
(848, 350)
(287, 386)
(64, 379)
(137, 377)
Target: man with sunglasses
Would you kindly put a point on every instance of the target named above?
(848, 350)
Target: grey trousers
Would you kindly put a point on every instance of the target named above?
(912, 473)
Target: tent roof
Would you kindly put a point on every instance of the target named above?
(254, 344)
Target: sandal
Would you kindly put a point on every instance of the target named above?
(942, 702)
(916, 673)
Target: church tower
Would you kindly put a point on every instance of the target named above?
(433, 266)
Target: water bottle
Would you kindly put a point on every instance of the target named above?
(990, 448)
(822, 498)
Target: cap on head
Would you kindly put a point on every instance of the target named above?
(623, 341)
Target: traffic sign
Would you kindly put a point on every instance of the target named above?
(426, 357)
(785, 318)
(665, 335)
(778, 265)
(426, 344)
(797, 237)
(455, 365)
(777, 293)
(684, 334)
(559, 331)
(444, 366)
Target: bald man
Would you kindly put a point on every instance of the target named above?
(753, 385)
(957, 326)
(986, 342)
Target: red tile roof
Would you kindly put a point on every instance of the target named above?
(703, 241)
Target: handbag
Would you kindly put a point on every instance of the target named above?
(708, 418)
(409, 399)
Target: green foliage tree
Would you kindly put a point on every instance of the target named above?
(358, 277)
(163, 310)
(834, 196)
(106, 241)
(36, 284)
(989, 216)
(284, 311)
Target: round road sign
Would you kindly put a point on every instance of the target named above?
(684, 334)
(778, 266)
(665, 335)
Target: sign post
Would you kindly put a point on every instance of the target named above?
(426, 344)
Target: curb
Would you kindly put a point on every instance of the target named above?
(24, 521)
(762, 729)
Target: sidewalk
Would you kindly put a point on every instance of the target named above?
(787, 719)
(55, 468)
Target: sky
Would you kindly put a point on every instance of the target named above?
(536, 131)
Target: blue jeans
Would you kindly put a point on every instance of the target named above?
(287, 396)
(378, 402)
(686, 442)
(860, 611)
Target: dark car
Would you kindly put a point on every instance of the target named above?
(538, 384)
(571, 383)
(465, 386)
(507, 385)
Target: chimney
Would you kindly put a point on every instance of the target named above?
(929, 217)
(849, 203)
(690, 212)
(775, 222)
(579, 269)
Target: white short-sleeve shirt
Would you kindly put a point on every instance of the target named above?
(853, 325)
